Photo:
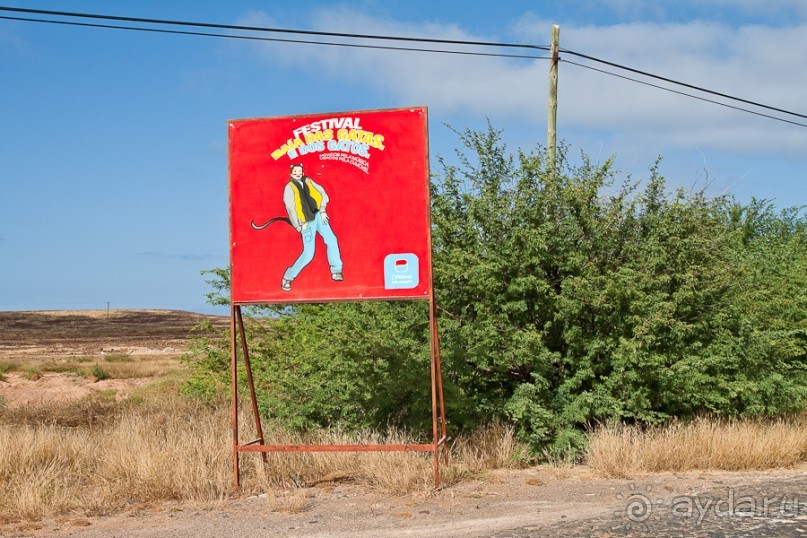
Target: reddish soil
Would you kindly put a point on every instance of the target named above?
(89, 336)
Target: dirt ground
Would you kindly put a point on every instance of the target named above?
(539, 501)
(88, 335)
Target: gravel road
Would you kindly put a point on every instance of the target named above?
(536, 502)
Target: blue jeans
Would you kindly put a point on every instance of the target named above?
(309, 236)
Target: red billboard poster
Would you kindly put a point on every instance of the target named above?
(330, 207)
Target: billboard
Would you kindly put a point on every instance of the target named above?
(330, 207)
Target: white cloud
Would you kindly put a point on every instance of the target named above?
(450, 82)
(632, 8)
(754, 63)
(758, 63)
(764, 8)
(787, 11)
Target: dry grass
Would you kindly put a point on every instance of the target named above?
(97, 465)
(395, 473)
(391, 472)
(730, 445)
(490, 447)
(115, 366)
(96, 456)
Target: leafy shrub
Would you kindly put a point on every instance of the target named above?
(574, 300)
(99, 373)
(564, 299)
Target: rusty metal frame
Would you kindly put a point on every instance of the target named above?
(258, 445)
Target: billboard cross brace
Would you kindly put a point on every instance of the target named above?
(439, 436)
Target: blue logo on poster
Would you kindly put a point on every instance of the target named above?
(401, 272)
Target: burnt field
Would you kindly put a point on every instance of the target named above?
(90, 332)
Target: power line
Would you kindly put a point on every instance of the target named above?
(381, 47)
(273, 39)
(276, 30)
(684, 93)
(691, 86)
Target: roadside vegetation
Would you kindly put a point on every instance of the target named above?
(564, 300)
(583, 318)
(113, 366)
(99, 456)
(623, 451)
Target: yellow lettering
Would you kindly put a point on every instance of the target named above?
(291, 143)
(360, 136)
(319, 136)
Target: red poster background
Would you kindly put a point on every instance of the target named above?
(379, 204)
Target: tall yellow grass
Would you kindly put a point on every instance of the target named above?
(96, 457)
(705, 443)
(146, 454)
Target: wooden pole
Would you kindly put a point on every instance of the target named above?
(552, 119)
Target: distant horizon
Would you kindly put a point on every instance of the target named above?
(214, 311)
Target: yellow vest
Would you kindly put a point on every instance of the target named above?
(298, 203)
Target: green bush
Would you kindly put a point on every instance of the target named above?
(564, 300)
(99, 373)
(574, 299)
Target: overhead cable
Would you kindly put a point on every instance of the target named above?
(276, 39)
(342, 35)
(671, 81)
(275, 30)
(683, 93)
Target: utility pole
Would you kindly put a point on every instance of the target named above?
(552, 119)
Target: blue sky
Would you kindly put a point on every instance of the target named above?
(113, 144)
